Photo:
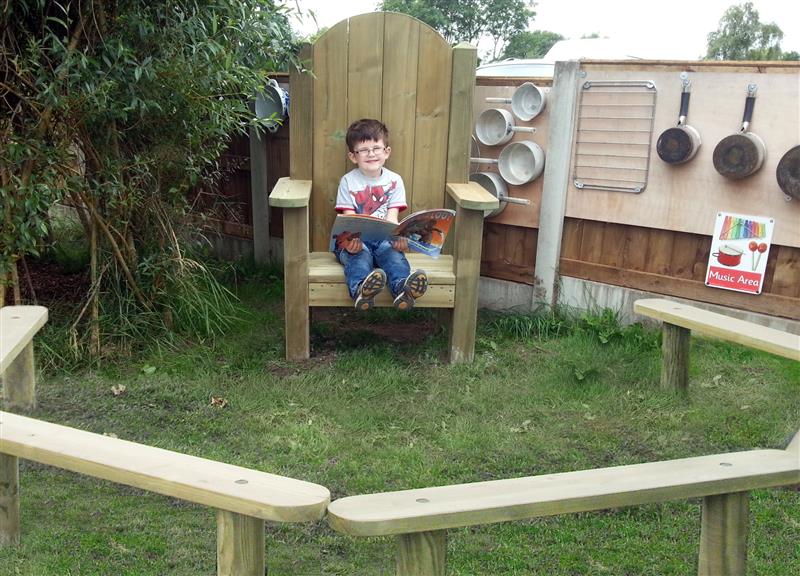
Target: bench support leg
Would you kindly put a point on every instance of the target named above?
(9, 500)
(421, 553)
(723, 535)
(675, 358)
(19, 389)
(240, 545)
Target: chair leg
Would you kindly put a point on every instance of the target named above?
(463, 321)
(298, 346)
(469, 237)
(295, 253)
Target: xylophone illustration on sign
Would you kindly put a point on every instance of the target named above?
(739, 228)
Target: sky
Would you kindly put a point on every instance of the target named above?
(670, 30)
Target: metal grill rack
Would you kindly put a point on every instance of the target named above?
(614, 133)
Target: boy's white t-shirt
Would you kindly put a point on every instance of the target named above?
(371, 196)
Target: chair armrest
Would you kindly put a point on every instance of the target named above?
(472, 196)
(290, 193)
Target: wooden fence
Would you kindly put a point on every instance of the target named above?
(640, 257)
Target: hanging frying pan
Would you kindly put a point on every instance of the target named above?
(679, 144)
(740, 155)
(788, 173)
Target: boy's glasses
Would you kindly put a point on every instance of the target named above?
(376, 150)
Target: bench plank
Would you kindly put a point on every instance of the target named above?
(337, 295)
(428, 509)
(18, 325)
(326, 285)
(721, 326)
(323, 268)
(215, 484)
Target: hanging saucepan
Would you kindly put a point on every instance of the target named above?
(527, 102)
(493, 184)
(788, 173)
(496, 126)
(679, 144)
(272, 103)
(521, 162)
(475, 154)
(740, 155)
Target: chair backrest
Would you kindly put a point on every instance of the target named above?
(395, 68)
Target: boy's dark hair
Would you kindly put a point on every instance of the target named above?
(366, 129)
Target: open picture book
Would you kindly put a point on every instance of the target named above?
(425, 230)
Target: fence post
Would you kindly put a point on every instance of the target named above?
(240, 545)
(723, 535)
(19, 382)
(9, 500)
(675, 358)
(557, 172)
(422, 553)
(258, 193)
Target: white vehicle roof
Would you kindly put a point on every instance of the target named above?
(581, 49)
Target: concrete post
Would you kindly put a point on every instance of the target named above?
(556, 182)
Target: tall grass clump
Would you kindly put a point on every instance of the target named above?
(543, 323)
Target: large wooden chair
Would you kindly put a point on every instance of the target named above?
(395, 68)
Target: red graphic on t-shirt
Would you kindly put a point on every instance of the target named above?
(371, 198)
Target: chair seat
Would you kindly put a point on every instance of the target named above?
(326, 285)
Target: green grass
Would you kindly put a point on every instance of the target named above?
(373, 413)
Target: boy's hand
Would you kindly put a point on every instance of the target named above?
(400, 244)
(352, 245)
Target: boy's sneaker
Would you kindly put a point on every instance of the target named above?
(369, 288)
(414, 286)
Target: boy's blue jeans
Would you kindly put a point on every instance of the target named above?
(374, 255)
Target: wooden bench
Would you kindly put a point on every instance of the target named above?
(680, 319)
(420, 518)
(18, 325)
(244, 498)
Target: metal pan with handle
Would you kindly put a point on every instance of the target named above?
(521, 162)
(494, 184)
(740, 155)
(788, 173)
(496, 126)
(680, 143)
(527, 102)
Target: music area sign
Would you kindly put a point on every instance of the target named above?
(739, 252)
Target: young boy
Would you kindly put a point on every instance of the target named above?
(377, 191)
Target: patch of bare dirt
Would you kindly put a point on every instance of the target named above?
(342, 325)
(44, 283)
